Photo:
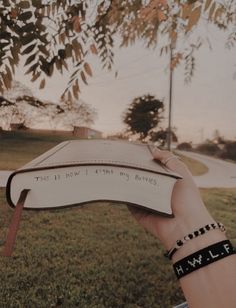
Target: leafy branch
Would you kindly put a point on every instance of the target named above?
(62, 35)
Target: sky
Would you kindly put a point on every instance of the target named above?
(199, 108)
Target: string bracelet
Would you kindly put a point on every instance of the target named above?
(179, 243)
(203, 258)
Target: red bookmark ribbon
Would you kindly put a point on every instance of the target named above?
(14, 226)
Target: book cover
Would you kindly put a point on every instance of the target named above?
(81, 171)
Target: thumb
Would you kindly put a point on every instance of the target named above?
(171, 161)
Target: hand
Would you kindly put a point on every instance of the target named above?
(213, 285)
(187, 206)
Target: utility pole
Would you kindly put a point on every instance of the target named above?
(202, 134)
(169, 133)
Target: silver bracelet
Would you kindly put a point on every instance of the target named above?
(179, 243)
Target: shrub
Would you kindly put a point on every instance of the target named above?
(185, 146)
(229, 150)
(208, 148)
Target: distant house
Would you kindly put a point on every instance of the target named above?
(21, 126)
(86, 132)
(78, 131)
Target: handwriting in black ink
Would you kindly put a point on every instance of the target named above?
(42, 178)
(124, 175)
(146, 179)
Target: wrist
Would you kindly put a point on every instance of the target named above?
(187, 223)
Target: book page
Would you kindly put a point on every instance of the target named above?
(66, 186)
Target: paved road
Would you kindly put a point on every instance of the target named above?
(220, 174)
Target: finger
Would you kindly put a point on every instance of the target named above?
(171, 161)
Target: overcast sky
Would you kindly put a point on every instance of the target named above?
(208, 103)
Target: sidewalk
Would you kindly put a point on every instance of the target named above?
(221, 174)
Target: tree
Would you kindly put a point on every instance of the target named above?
(229, 150)
(63, 34)
(218, 138)
(143, 115)
(160, 136)
(19, 105)
(76, 114)
(208, 148)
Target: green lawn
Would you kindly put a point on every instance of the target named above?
(18, 148)
(94, 256)
(196, 167)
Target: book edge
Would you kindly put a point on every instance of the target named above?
(8, 186)
(170, 215)
(37, 160)
(34, 164)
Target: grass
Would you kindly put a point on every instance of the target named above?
(18, 148)
(94, 256)
(196, 167)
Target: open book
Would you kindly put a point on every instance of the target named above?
(81, 171)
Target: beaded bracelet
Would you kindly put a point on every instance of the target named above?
(179, 243)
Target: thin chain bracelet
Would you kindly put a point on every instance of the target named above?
(179, 243)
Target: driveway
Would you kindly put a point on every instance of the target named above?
(220, 174)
